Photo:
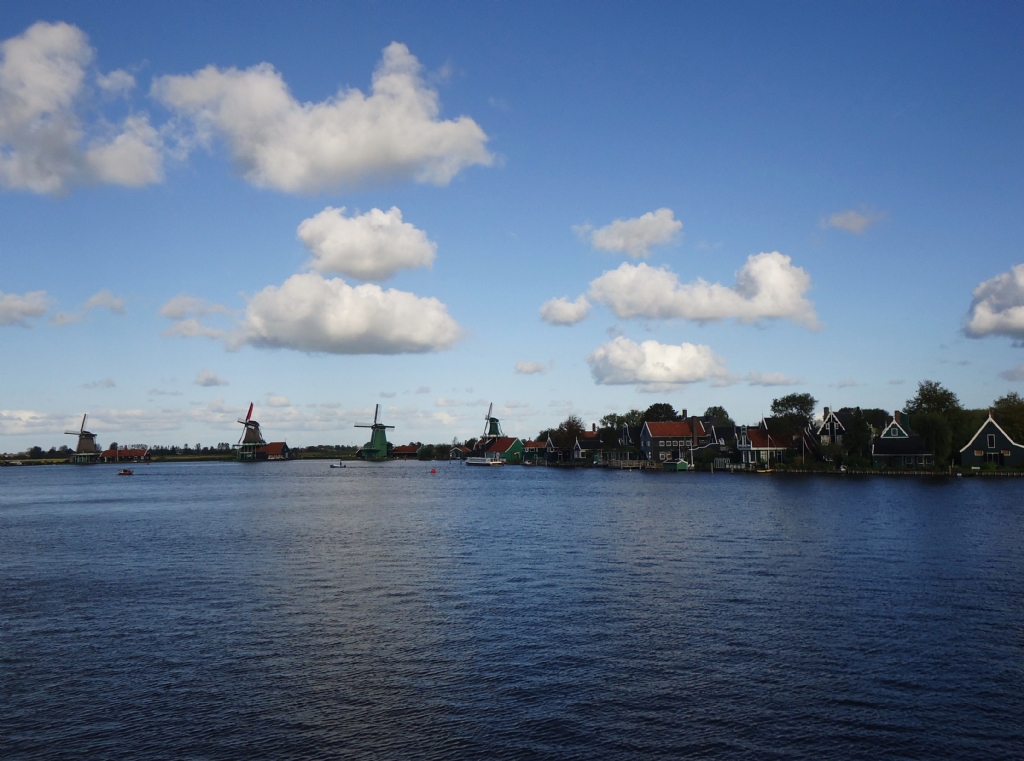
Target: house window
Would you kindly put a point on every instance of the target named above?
(979, 452)
(662, 456)
(675, 443)
(991, 441)
(1006, 453)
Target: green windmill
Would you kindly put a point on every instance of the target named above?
(492, 429)
(376, 449)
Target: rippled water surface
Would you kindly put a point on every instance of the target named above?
(285, 610)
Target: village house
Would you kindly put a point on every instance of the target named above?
(672, 441)
(275, 450)
(588, 447)
(991, 444)
(505, 448)
(757, 447)
(534, 452)
(899, 447)
(124, 454)
(459, 452)
(406, 452)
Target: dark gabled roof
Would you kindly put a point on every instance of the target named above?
(912, 445)
(989, 419)
(589, 443)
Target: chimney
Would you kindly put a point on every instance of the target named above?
(896, 416)
(593, 427)
(826, 413)
(683, 414)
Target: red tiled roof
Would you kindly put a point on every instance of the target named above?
(114, 453)
(679, 428)
(589, 434)
(535, 444)
(501, 444)
(273, 449)
(405, 449)
(759, 439)
(461, 448)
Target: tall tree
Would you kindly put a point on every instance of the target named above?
(1009, 413)
(795, 407)
(932, 396)
(568, 430)
(857, 438)
(719, 415)
(936, 434)
(661, 412)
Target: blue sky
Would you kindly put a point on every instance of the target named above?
(872, 153)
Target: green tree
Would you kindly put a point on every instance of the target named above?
(425, 452)
(795, 405)
(568, 430)
(718, 414)
(661, 412)
(936, 434)
(1009, 413)
(35, 453)
(857, 438)
(932, 396)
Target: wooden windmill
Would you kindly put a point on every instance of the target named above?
(376, 449)
(87, 449)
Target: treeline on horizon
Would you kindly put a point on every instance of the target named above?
(934, 412)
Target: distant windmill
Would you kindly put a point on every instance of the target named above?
(86, 441)
(251, 438)
(376, 448)
(492, 429)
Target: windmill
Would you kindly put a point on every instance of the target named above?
(376, 448)
(492, 429)
(86, 449)
(251, 438)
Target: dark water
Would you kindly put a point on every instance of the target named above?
(286, 610)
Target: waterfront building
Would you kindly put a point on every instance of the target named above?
(758, 448)
(897, 446)
(991, 444)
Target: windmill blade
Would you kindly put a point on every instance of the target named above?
(83, 422)
(376, 410)
(249, 414)
(73, 433)
(490, 407)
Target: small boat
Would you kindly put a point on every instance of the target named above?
(483, 461)
(339, 465)
(126, 472)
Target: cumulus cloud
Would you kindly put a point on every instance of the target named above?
(622, 361)
(443, 402)
(44, 147)
(278, 142)
(531, 368)
(275, 400)
(852, 221)
(209, 378)
(1014, 374)
(768, 286)
(310, 313)
(771, 379)
(371, 246)
(561, 311)
(102, 300)
(998, 306)
(634, 236)
(187, 313)
(17, 310)
(116, 82)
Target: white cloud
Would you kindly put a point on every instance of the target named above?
(387, 394)
(634, 236)
(852, 221)
(310, 313)
(442, 402)
(16, 310)
(771, 379)
(274, 400)
(105, 383)
(531, 368)
(17, 422)
(42, 89)
(768, 286)
(371, 246)
(193, 328)
(998, 306)
(116, 82)
(209, 378)
(280, 143)
(187, 312)
(104, 299)
(561, 311)
(182, 306)
(622, 361)
(1014, 374)
(846, 383)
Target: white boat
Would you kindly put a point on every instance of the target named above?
(339, 465)
(483, 461)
